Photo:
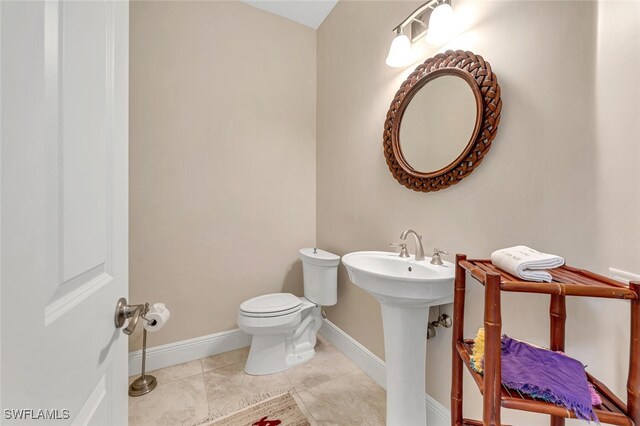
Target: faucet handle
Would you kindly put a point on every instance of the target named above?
(435, 258)
(403, 248)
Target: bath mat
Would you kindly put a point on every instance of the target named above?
(280, 410)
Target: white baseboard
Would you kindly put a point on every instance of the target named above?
(361, 356)
(188, 350)
(437, 414)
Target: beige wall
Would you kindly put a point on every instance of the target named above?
(618, 127)
(563, 160)
(222, 159)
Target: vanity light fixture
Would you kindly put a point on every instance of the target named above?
(432, 21)
(400, 52)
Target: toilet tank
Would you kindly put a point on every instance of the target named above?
(320, 272)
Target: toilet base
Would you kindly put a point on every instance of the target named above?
(273, 353)
(268, 356)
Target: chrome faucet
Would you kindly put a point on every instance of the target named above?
(418, 238)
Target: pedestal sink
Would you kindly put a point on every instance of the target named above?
(405, 288)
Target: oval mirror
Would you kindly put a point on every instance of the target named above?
(442, 121)
(438, 124)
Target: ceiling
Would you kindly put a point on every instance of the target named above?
(306, 12)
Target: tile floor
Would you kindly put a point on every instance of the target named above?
(330, 390)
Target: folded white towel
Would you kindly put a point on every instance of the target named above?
(526, 263)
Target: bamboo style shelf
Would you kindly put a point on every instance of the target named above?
(567, 281)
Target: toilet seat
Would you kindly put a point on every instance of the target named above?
(271, 305)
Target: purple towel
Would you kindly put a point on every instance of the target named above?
(547, 375)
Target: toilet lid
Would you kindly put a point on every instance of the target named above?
(274, 304)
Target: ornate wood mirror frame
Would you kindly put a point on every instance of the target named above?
(484, 83)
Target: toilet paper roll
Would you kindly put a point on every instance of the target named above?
(158, 313)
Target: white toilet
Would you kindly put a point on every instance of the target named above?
(283, 327)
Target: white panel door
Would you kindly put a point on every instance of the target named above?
(63, 215)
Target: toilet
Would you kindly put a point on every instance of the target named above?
(283, 327)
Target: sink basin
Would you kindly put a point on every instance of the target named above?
(405, 288)
(401, 280)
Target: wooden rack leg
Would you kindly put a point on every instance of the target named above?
(558, 316)
(633, 381)
(492, 351)
(458, 336)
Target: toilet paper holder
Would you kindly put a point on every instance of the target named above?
(146, 382)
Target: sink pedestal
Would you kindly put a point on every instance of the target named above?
(405, 342)
(405, 288)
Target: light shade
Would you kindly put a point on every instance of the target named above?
(400, 53)
(441, 24)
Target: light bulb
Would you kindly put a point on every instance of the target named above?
(400, 53)
(440, 24)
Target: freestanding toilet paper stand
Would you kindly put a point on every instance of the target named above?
(146, 382)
